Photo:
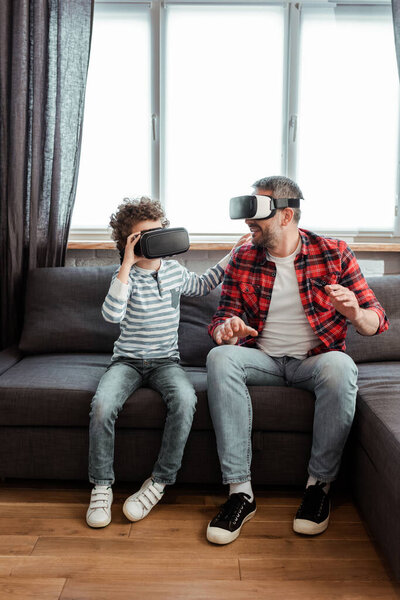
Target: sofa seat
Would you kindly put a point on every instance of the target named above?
(377, 421)
(56, 389)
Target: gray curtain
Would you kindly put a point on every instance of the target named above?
(396, 23)
(44, 55)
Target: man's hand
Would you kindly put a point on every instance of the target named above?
(231, 330)
(345, 301)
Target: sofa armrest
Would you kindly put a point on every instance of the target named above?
(9, 357)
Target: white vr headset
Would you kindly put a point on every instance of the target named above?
(259, 207)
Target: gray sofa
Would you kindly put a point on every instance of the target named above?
(47, 382)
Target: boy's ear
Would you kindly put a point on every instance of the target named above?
(121, 255)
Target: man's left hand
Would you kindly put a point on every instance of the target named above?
(344, 301)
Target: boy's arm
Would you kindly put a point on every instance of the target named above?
(115, 303)
(114, 306)
(201, 285)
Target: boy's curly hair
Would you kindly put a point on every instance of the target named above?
(130, 212)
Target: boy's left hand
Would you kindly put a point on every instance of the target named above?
(243, 240)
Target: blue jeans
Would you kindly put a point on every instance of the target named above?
(332, 376)
(120, 380)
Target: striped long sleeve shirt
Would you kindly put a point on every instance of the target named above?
(148, 307)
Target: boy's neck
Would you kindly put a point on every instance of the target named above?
(149, 264)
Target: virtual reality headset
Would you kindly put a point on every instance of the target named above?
(259, 207)
(159, 242)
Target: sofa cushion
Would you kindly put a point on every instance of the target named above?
(56, 390)
(386, 345)
(377, 422)
(196, 315)
(63, 311)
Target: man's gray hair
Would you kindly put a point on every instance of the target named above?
(281, 187)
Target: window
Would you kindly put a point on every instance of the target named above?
(348, 118)
(191, 102)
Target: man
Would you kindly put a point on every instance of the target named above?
(297, 290)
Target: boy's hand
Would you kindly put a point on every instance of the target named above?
(231, 330)
(130, 257)
(243, 240)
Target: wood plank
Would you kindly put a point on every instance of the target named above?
(17, 544)
(196, 547)
(318, 569)
(178, 528)
(120, 527)
(235, 590)
(153, 566)
(14, 588)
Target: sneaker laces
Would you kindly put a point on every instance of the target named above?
(313, 499)
(232, 509)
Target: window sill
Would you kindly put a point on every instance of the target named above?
(223, 246)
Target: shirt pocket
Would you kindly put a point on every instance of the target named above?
(320, 298)
(175, 296)
(250, 297)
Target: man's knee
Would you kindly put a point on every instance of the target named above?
(221, 358)
(337, 368)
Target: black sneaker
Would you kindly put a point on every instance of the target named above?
(226, 526)
(313, 514)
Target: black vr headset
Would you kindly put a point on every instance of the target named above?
(159, 242)
(259, 207)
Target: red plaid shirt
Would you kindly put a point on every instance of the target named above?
(249, 281)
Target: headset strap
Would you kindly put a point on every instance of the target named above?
(284, 202)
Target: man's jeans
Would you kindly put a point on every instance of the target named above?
(332, 376)
(121, 379)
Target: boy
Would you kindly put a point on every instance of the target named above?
(144, 298)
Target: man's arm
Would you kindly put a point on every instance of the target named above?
(366, 321)
(227, 326)
(355, 300)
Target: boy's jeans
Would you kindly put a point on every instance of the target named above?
(332, 376)
(121, 379)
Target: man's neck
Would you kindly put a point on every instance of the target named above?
(286, 246)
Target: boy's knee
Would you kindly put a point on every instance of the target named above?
(101, 410)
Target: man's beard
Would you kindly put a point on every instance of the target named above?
(267, 239)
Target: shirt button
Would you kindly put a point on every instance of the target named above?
(273, 274)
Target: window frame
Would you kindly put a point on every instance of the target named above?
(292, 17)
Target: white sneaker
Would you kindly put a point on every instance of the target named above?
(138, 506)
(99, 512)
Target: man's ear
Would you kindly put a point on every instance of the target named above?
(287, 216)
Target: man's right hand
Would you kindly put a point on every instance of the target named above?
(231, 330)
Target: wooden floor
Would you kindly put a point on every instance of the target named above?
(47, 552)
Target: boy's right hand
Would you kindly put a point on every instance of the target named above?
(130, 258)
(231, 330)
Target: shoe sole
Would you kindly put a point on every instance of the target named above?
(99, 525)
(220, 536)
(308, 527)
(129, 516)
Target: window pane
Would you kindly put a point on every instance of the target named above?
(348, 118)
(224, 106)
(115, 156)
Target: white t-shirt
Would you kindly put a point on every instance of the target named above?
(287, 331)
